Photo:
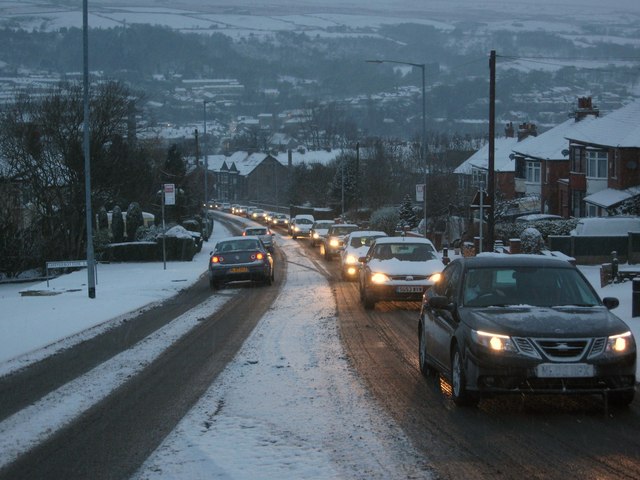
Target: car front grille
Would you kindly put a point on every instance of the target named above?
(560, 349)
(408, 278)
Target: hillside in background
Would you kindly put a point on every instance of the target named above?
(245, 61)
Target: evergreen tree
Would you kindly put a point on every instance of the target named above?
(406, 213)
(117, 225)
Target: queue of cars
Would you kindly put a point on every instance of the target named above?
(493, 324)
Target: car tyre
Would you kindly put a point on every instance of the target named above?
(461, 396)
(425, 368)
(368, 303)
(214, 285)
(621, 399)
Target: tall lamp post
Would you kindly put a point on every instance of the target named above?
(91, 280)
(204, 153)
(423, 146)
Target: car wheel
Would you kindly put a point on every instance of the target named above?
(294, 236)
(368, 303)
(214, 285)
(425, 368)
(461, 396)
(620, 399)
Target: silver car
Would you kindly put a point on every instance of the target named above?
(263, 233)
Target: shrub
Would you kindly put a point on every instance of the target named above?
(385, 219)
(117, 225)
(134, 220)
(531, 241)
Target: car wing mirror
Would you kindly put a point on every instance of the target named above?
(362, 259)
(610, 302)
(440, 302)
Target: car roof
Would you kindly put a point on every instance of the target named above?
(345, 225)
(517, 260)
(366, 233)
(404, 239)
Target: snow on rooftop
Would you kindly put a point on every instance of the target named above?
(620, 128)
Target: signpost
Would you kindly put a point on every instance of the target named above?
(168, 198)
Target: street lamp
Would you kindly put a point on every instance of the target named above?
(204, 152)
(423, 146)
(91, 280)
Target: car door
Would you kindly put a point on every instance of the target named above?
(443, 322)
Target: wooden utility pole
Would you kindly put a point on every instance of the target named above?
(491, 181)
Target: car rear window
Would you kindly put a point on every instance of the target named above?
(256, 231)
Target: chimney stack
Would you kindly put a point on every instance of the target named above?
(509, 131)
(585, 108)
(527, 129)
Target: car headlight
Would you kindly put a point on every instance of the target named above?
(315, 235)
(619, 343)
(493, 341)
(334, 242)
(435, 278)
(351, 260)
(297, 229)
(379, 278)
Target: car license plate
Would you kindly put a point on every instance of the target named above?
(409, 289)
(238, 270)
(567, 370)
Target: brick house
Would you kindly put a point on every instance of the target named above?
(474, 171)
(604, 158)
(542, 163)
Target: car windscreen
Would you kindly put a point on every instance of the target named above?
(342, 230)
(304, 221)
(357, 242)
(536, 286)
(405, 251)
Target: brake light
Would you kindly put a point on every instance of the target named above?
(217, 259)
(244, 234)
(257, 256)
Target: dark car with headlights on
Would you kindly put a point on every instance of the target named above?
(524, 324)
(397, 268)
(241, 258)
(333, 242)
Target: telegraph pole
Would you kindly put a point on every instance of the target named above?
(491, 185)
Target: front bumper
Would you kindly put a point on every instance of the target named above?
(396, 292)
(504, 374)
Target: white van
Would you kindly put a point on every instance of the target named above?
(606, 226)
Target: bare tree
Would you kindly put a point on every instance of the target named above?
(41, 139)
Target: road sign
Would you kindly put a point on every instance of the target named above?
(169, 194)
(420, 188)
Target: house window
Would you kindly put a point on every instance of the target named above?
(597, 163)
(577, 160)
(577, 205)
(592, 210)
(533, 172)
(479, 178)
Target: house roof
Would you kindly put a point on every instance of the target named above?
(609, 196)
(550, 144)
(619, 128)
(503, 147)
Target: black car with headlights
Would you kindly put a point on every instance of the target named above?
(521, 324)
(241, 258)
